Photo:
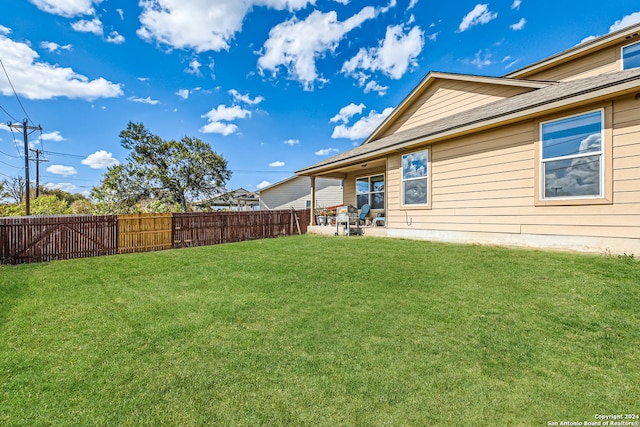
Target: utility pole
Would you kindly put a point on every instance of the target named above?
(38, 161)
(25, 133)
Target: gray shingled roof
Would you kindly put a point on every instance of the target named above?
(518, 106)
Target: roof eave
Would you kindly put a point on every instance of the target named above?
(548, 107)
(433, 76)
(630, 32)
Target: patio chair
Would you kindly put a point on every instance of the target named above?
(362, 218)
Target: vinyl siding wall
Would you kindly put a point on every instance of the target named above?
(295, 193)
(606, 61)
(484, 185)
(446, 97)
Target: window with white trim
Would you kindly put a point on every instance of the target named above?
(415, 178)
(370, 190)
(571, 161)
(631, 56)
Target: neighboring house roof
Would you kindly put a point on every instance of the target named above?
(433, 77)
(545, 100)
(582, 49)
(231, 198)
(277, 184)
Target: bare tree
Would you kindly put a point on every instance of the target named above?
(13, 188)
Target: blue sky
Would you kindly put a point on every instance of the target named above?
(272, 85)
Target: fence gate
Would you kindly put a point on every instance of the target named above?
(144, 232)
(37, 239)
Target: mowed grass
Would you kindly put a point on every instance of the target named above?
(312, 330)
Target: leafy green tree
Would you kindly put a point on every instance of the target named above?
(70, 198)
(166, 171)
(43, 205)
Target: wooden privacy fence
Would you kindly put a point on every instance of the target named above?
(202, 229)
(144, 232)
(37, 239)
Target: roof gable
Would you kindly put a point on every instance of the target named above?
(520, 107)
(442, 94)
(626, 35)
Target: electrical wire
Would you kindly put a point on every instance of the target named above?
(14, 143)
(8, 114)
(15, 93)
(73, 156)
(11, 166)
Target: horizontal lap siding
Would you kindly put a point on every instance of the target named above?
(626, 160)
(485, 183)
(606, 61)
(447, 97)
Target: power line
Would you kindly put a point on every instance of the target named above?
(14, 143)
(10, 156)
(73, 156)
(7, 113)
(15, 93)
(11, 166)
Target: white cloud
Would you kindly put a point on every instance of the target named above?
(479, 15)
(121, 13)
(201, 25)
(347, 112)
(326, 151)
(54, 47)
(194, 67)
(52, 136)
(94, 26)
(64, 186)
(224, 129)
(518, 25)
(238, 97)
(510, 62)
(146, 100)
(263, 184)
(62, 170)
(295, 45)
(481, 59)
(586, 39)
(292, 142)
(412, 4)
(183, 93)
(393, 56)
(516, 4)
(221, 114)
(363, 127)
(100, 160)
(392, 4)
(373, 86)
(626, 21)
(115, 38)
(277, 164)
(39, 80)
(66, 8)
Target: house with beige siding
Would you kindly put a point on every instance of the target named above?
(294, 192)
(547, 156)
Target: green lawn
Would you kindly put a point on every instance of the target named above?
(312, 330)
